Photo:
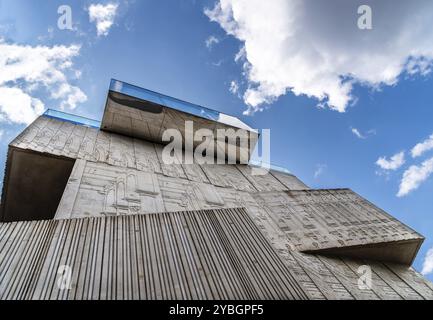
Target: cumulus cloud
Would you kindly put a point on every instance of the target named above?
(72, 96)
(234, 87)
(19, 106)
(26, 70)
(314, 48)
(103, 16)
(422, 147)
(427, 266)
(240, 55)
(395, 162)
(211, 41)
(414, 177)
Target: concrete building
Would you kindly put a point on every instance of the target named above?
(90, 211)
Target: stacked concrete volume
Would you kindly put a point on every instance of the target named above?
(99, 199)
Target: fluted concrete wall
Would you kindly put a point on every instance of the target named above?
(218, 254)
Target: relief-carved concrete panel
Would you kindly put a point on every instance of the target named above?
(108, 190)
(194, 172)
(337, 278)
(146, 158)
(348, 278)
(87, 148)
(323, 277)
(29, 134)
(102, 147)
(122, 151)
(227, 176)
(174, 169)
(74, 142)
(60, 139)
(322, 219)
(263, 181)
(290, 181)
(112, 190)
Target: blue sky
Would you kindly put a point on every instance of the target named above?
(331, 119)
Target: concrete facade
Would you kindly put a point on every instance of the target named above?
(124, 219)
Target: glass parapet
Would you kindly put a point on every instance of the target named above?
(72, 118)
(261, 164)
(177, 104)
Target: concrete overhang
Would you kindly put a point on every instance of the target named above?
(393, 240)
(145, 114)
(403, 251)
(33, 185)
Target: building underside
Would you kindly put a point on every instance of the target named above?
(101, 201)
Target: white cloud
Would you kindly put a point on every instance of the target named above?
(371, 132)
(315, 48)
(394, 163)
(357, 133)
(422, 147)
(48, 36)
(234, 87)
(361, 135)
(211, 41)
(25, 70)
(218, 63)
(19, 106)
(427, 266)
(103, 16)
(320, 169)
(240, 55)
(414, 177)
(73, 95)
